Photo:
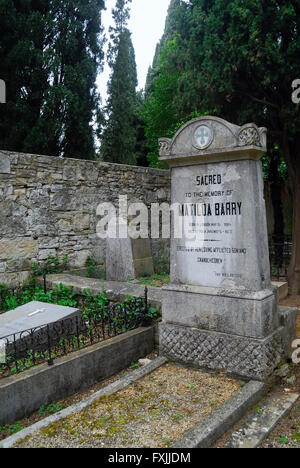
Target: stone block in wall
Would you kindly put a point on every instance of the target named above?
(22, 248)
(78, 259)
(4, 164)
(69, 172)
(81, 222)
(44, 253)
(12, 218)
(64, 199)
(15, 279)
(65, 225)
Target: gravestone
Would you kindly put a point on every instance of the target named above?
(128, 259)
(33, 318)
(220, 311)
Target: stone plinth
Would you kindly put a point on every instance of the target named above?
(221, 310)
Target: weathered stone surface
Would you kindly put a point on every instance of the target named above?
(4, 164)
(128, 259)
(253, 315)
(32, 315)
(224, 224)
(119, 260)
(261, 423)
(236, 355)
(221, 311)
(288, 320)
(213, 140)
(53, 201)
(16, 278)
(21, 248)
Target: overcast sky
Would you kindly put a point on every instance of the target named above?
(147, 24)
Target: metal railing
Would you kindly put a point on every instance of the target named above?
(280, 248)
(45, 343)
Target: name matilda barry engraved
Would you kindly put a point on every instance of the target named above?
(220, 310)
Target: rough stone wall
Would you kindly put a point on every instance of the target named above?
(48, 205)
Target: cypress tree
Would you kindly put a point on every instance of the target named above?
(51, 52)
(119, 137)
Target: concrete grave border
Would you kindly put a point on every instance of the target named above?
(214, 426)
(109, 390)
(22, 394)
(202, 435)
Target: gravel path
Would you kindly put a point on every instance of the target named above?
(153, 412)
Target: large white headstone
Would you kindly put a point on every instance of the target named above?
(220, 310)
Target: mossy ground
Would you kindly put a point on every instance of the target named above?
(152, 412)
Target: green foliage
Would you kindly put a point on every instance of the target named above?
(50, 53)
(10, 429)
(235, 59)
(93, 269)
(61, 295)
(53, 264)
(283, 440)
(47, 410)
(119, 137)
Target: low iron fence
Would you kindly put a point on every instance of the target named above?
(42, 344)
(280, 248)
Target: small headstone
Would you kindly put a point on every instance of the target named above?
(128, 259)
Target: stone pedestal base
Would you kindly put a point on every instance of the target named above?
(237, 312)
(239, 356)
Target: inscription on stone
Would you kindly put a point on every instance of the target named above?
(214, 209)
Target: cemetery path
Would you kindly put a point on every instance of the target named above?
(287, 432)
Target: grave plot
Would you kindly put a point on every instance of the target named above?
(153, 412)
(33, 325)
(40, 332)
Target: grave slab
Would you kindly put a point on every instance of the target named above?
(32, 315)
(35, 326)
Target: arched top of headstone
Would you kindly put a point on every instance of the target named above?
(211, 139)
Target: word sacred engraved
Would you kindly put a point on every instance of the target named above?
(214, 179)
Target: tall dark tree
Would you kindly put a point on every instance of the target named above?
(120, 135)
(23, 37)
(164, 110)
(52, 51)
